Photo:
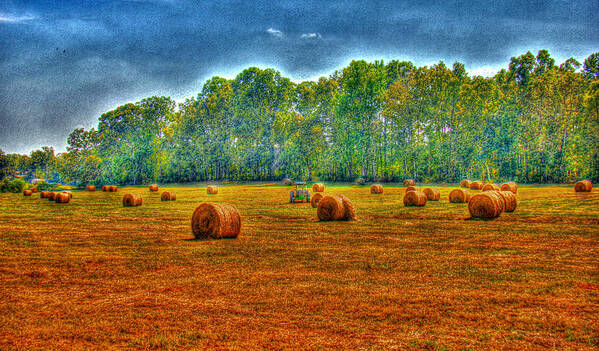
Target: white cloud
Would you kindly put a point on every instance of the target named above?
(311, 36)
(275, 32)
(15, 19)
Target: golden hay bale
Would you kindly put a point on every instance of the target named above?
(51, 196)
(112, 188)
(414, 198)
(212, 190)
(509, 186)
(215, 221)
(286, 181)
(27, 192)
(583, 186)
(317, 187)
(409, 182)
(68, 193)
(376, 189)
(335, 208)
(62, 198)
(93, 188)
(490, 186)
(432, 194)
(486, 205)
(104, 187)
(132, 200)
(168, 196)
(476, 185)
(510, 200)
(459, 196)
(465, 183)
(412, 188)
(44, 194)
(153, 187)
(315, 199)
(33, 190)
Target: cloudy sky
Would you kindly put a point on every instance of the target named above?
(63, 63)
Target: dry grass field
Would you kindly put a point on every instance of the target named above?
(93, 274)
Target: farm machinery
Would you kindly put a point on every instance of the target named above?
(300, 194)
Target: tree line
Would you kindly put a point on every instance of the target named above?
(535, 121)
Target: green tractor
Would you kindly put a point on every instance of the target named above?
(300, 194)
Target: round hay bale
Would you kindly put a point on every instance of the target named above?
(583, 186)
(44, 194)
(212, 190)
(459, 196)
(168, 196)
(153, 187)
(104, 187)
(68, 193)
(414, 198)
(315, 199)
(216, 221)
(409, 182)
(490, 187)
(33, 190)
(317, 187)
(432, 194)
(62, 198)
(51, 196)
(412, 188)
(476, 185)
(286, 181)
(112, 188)
(486, 205)
(335, 208)
(510, 200)
(132, 200)
(510, 186)
(465, 183)
(376, 189)
(92, 188)
(27, 192)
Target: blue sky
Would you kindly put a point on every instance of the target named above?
(63, 63)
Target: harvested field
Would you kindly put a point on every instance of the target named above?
(96, 275)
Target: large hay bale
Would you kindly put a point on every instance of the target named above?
(286, 181)
(104, 187)
(486, 205)
(44, 194)
(583, 186)
(216, 221)
(335, 208)
(509, 186)
(27, 192)
(68, 193)
(92, 188)
(409, 182)
(212, 190)
(62, 198)
(112, 188)
(168, 196)
(490, 187)
(476, 185)
(153, 187)
(132, 200)
(459, 196)
(51, 196)
(465, 183)
(317, 187)
(414, 198)
(412, 188)
(510, 200)
(376, 189)
(432, 194)
(33, 190)
(315, 199)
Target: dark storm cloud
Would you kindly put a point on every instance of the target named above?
(62, 64)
